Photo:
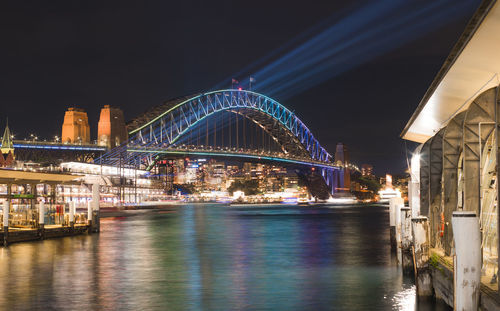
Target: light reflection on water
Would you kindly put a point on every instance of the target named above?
(215, 258)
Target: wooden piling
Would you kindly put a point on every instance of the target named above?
(423, 280)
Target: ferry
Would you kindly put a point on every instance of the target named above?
(389, 191)
(303, 199)
(343, 200)
(386, 194)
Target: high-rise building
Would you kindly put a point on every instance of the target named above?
(366, 170)
(111, 130)
(75, 128)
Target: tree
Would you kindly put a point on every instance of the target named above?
(249, 187)
(370, 183)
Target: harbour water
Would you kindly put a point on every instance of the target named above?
(209, 257)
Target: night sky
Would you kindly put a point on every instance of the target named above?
(137, 54)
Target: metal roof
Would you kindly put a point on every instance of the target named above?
(471, 68)
(26, 177)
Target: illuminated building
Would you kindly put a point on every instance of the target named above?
(179, 171)
(7, 149)
(75, 128)
(116, 184)
(291, 181)
(367, 170)
(388, 191)
(191, 172)
(111, 130)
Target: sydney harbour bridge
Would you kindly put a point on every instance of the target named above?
(232, 124)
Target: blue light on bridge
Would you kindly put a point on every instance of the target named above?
(58, 147)
(250, 156)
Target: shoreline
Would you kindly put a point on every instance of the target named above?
(130, 211)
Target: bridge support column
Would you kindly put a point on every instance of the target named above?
(72, 215)
(467, 263)
(6, 209)
(414, 185)
(89, 217)
(331, 177)
(41, 220)
(423, 280)
(394, 218)
(406, 240)
(96, 207)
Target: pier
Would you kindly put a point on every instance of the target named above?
(30, 210)
(454, 172)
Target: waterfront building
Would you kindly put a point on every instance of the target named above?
(75, 128)
(21, 193)
(454, 170)
(117, 185)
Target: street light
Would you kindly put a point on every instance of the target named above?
(33, 137)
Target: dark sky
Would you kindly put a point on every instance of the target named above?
(137, 54)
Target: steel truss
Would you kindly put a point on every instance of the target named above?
(165, 129)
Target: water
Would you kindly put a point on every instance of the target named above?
(203, 257)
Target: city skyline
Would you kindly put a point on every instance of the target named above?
(133, 54)
(264, 155)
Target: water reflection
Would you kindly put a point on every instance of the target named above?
(214, 258)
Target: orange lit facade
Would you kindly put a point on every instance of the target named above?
(111, 130)
(75, 128)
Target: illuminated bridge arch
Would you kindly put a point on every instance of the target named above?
(166, 124)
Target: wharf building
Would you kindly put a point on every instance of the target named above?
(116, 186)
(454, 189)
